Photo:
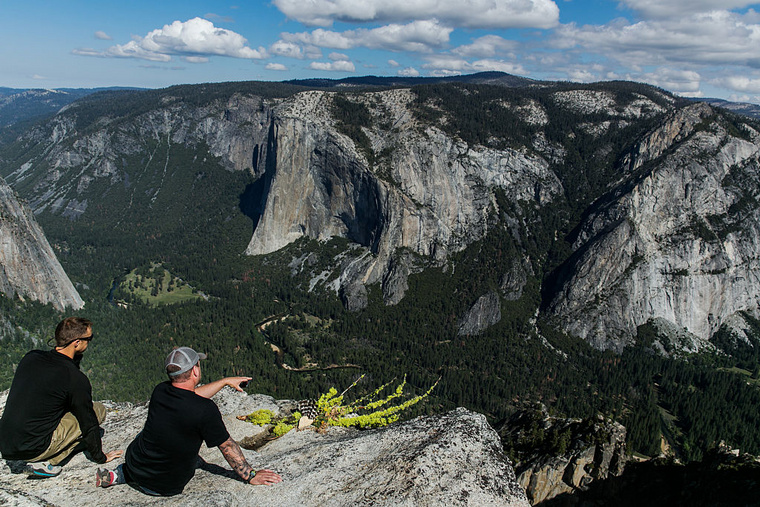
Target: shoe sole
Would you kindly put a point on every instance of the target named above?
(40, 473)
(102, 478)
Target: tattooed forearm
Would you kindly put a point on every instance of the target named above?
(234, 456)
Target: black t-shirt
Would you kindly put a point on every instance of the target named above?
(164, 454)
(47, 384)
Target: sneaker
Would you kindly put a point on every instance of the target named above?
(44, 469)
(104, 478)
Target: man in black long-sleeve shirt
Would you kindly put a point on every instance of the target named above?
(49, 412)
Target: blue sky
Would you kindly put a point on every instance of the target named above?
(708, 48)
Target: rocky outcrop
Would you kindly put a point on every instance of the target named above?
(449, 459)
(431, 196)
(724, 478)
(679, 240)
(28, 266)
(562, 456)
(484, 313)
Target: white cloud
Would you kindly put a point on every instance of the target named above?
(455, 65)
(755, 99)
(445, 73)
(195, 59)
(408, 72)
(339, 66)
(393, 63)
(320, 38)
(462, 13)
(739, 83)
(195, 38)
(86, 52)
(581, 76)
(276, 66)
(337, 56)
(683, 82)
(680, 8)
(289, 49)
(487, 46)
(713, 38)
(102, 35)
(418, 36)
(38, 77)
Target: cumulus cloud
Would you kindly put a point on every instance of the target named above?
(683, 82)
(739, 83)
(445, 73)
(337, 56)
(289, 49)
(677, 8)
(196, 38)
(714, 38)
(276, 66)
(581, 76)
(454, 65)
(408, 72)
(393, 63)
(487, 46)
(293, 50)
(461, 13)
(417, 36)
(102, 35)
(338, 66)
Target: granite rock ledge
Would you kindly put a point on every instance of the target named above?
(454, 458)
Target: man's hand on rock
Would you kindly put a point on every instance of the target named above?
(265, 477)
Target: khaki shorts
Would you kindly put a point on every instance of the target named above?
(67, 435)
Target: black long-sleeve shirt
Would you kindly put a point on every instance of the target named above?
(46, 386)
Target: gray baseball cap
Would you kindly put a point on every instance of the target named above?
(184, 358)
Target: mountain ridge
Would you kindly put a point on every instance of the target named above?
(454, 229)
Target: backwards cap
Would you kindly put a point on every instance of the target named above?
(184, 358)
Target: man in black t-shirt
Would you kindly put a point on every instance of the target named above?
(161, 460)
(49, 413)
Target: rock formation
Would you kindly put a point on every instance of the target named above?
(28, 265)
(562, 456)
(449, 459)
(679, 240)
(673, 235)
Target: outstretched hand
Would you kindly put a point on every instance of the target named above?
(265, 477)
(234, 382)
(110, 456)
(209, 390)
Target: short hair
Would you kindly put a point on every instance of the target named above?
(182, 376)
(71, 329)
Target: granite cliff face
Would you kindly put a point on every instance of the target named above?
(676, 241)
(430, 195)
(28, 265)
(451, 459)
(670, 236)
